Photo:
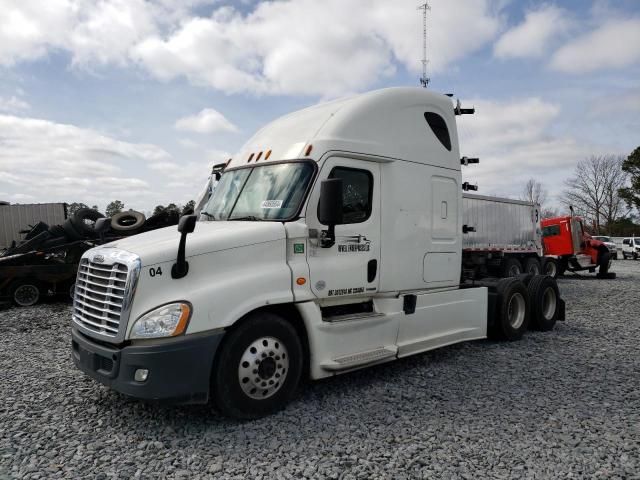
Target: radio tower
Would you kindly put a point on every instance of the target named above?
(424, 80)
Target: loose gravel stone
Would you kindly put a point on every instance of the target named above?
(564, 403)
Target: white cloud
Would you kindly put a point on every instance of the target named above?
(207, 120)
(624, 101)
(13, 104)
(532, 37)
(300, 47)
(515, 142)
(307, 47)
(615, 44)
(50, 161)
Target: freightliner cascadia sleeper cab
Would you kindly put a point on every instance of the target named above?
(332, 241)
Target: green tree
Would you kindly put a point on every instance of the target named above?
(158, 210)
(73, 207)
(114, 207)
(189, 207)
(631, 194)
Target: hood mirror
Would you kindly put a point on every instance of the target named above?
(186, 225)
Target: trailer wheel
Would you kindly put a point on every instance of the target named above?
(544, 302)
(512, 310)
(532, 265)
(25, 293)
(511, 267)
(258, 367)
(550, 267)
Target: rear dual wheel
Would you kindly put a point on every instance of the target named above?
(544, 298)
(512, 310)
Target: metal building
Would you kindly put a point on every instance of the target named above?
(14, 218)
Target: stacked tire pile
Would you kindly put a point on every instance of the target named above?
(46, 261)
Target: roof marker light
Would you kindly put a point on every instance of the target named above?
(267, 155)
(258, 157)
(308, 151)
(250, 158)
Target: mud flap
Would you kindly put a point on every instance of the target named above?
(561, 309)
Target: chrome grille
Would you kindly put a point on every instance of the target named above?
(99, 296)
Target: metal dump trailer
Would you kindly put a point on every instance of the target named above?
(14, 218)
(503, 238)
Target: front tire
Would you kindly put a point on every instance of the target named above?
(258, 367)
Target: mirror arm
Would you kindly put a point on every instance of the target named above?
(181, 267)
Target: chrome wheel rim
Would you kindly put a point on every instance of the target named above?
(263, 368)
(549, 300)
(516, 310)
(26, 295)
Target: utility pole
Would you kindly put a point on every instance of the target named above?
(424, 80)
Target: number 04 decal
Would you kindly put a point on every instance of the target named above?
(155, 271)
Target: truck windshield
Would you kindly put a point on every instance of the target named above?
(263, 192)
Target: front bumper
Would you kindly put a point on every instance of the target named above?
(179, 369)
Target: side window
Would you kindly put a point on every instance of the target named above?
(357, 192)
(625, 241)
(551, 230)
(439, 128)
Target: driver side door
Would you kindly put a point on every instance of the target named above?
(350, 267)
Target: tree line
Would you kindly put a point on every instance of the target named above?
(604, 190)
(118, 206)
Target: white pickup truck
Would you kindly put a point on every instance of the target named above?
(332, 241)
(631, 248)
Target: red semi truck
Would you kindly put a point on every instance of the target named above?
(568, 247)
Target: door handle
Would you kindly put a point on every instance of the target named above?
(372, 270)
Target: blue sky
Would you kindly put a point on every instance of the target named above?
(135, 99)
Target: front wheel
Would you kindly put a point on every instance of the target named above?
(258, 367)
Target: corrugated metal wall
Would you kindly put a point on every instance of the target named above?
(501, 223)
(14, 218)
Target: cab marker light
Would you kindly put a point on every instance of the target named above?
(308, 151)
(267, 155)
(250, 158)
(258, 157)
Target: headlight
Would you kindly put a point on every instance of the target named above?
(165, 321)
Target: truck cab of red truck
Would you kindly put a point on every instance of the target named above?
(566, 241)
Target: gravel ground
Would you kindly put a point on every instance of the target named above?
(559, 404)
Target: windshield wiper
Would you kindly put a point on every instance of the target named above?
(253, 218)
(207, 214)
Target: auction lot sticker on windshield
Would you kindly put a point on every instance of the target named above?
(271, 204)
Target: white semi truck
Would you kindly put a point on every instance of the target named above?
(332, 241)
